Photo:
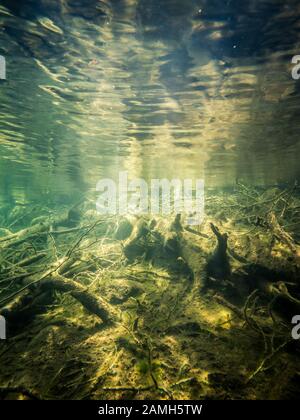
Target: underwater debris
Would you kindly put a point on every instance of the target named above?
(4, 233)
(74, 217)
(134, 246)
(176, 225)
(18, 390)
(171, 245)
(37, 289)
(33, 299)
(38, 229)
(218, 266)
(126, 282)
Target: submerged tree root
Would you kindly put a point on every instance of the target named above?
(154, 387)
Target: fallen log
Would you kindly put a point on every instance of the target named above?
(35, 299)
(24, 308)
(281, 234)
(6, 391)
(237, 311)
(94, 304)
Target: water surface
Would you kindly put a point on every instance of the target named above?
(161, 88)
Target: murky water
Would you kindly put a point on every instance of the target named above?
(161, 88)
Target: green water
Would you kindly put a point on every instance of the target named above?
(149, 307)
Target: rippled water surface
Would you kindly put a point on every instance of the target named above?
(161, 88)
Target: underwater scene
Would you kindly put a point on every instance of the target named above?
(149, 200)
